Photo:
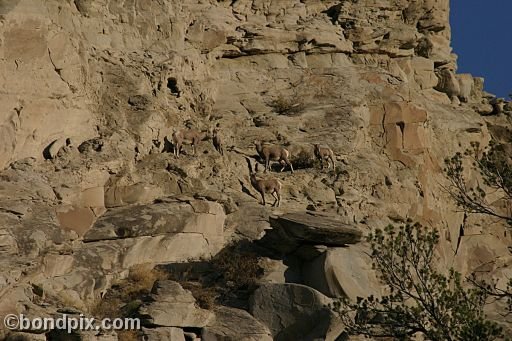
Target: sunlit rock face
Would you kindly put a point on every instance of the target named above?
(92, 91)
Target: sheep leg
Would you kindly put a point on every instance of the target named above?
(263, 198)
(333, 166)
(289, 164)
(177, 148)
(267, 164)
(275, 197)
(283, 163)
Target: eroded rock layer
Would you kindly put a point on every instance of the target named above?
(92, 90)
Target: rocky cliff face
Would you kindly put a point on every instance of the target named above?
(92, 90)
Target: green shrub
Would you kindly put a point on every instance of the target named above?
(421, 300)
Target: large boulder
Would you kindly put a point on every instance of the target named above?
(138, 193)
(169, 231)
(448, 83)
(311, 228)
(230, 324)
(343, 272)
(163, 333)
(466, 85)
(169, 216)
(172, 306)
(294, 312)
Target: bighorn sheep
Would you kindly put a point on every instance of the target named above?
(324, 154)
(273, 153)
(188, 136)
(269, 185)
(217, 141)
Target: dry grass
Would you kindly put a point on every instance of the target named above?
(129, 335)
(238, 270)
(205, 296)
(231, 272)
(143, 276)
(124, 297)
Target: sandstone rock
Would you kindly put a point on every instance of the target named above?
(474, 252)
(466, 84)
(483, 108)
(293, 312)
(20, 336)
(448, 83)
(152, 220)
(309, 252)
(133, 194)
(251, 220)
(115, 78)
(79, 220)
(180, 247)
(314, 228)
(343, 272)
(230, 324)
(276, 271)
(226, 201)
(8, 244)
(93, 197)
(318, 192)
(84, 335)
(163, 333)
(57, 265)
(53, 149)
(424, 72)
(172, 306)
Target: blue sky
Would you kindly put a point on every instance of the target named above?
(482, 38)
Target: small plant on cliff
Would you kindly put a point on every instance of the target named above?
(495, 169)
(304, 160)
(238, 270)
(124, 298)
(421, 300)
(288, 105)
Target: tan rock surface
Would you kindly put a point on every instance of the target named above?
(91, 89)
(172, 306)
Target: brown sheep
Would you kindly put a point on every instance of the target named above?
(269, 185)
(273, 153)
(217, 141)
(324, 154)
(188, 136)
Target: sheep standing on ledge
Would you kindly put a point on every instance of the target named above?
(188, 136)
(269, 185)
(273, 153)
(217, 141)
(324, 154)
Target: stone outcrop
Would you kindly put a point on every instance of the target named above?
(230, 324)
(310, 228)
(172, 306)
(89, 187)
(164, 333)
(294, 312)
(343, 272)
